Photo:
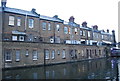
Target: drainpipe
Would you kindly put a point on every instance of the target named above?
(44, 58)
(54, 27)
(2, 30)
(25, 21)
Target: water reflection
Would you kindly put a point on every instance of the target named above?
(93, 69)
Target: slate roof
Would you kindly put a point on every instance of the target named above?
(30, 13)
(86, 28)
(19, 11)
(50, 18)
(105, 33)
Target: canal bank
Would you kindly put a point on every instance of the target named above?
(36, 54)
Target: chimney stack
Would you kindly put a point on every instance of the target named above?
(84, 24)
(114, 38)
(3, 3)
(107, 30)
(95, 27)
(56, 16)
(71, 19)
(33, 10)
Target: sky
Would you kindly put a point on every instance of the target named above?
(103, 13)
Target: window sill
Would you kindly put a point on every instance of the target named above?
(17, 60)
(11, 25)
(53, 58)
(8, 60)
(63, 58)
(34, 59)
(47, 59)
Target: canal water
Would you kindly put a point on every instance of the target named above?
(106, 68)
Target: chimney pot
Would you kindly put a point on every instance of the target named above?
(71, 19)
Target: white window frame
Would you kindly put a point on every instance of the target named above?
(44, 26)
(31, 23)
(27, 52)
(102, 36)
(69, 30)
(47, 54)
(11, 20)
(63, 53)
(84, 33)
(17, 55)
(76, 31)
(58, 52)
(14, 38)
(66, 30)
(49, 26)
(35, 55)
(58, 39)
(53, 54)
(19, 21)
(58, 27)
(88, 33)
(81, 32)
(8, 55)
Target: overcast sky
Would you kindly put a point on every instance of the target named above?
(103, 13)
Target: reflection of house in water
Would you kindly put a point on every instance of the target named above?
(32, 39)
(94, 69)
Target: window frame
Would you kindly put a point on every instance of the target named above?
(49, 26)
(66, 30)
(18, 21)
(14, 38)
(58, 27)
(31, 23)
(89, 34)
(44, 25)
(34, 55)
(11, 20)
(76, 31)
(63, 54)
(27, 52)
(81, 33)
(53, 54)
(47, 54)
(17, 54)
(84, 33)
(8, 54)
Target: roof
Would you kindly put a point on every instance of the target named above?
(19, 11)
(30, 13)
(86, 28)
(50, 18)
(105, 33)
(97, 31)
